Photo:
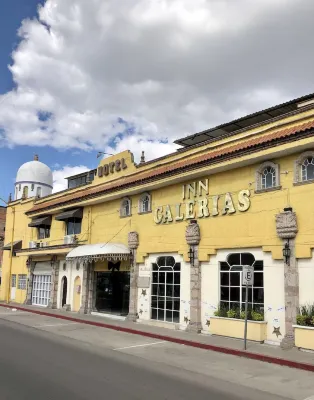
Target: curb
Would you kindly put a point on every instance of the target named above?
(190, 343)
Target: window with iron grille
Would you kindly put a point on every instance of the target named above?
(22, 281)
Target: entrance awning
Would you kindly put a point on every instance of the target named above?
(40, 221)
(99, 252)
(16, 245)
(77, 213)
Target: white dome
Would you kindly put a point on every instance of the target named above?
(34, 172)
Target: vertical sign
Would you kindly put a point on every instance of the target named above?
(247, 280)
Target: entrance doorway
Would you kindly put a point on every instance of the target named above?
(112, 292)
(64, 291)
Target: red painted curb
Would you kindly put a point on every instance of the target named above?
(190, 343)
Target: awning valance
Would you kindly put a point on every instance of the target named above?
(77, 213)
(16, 245)
(99, 252)
(40, 221)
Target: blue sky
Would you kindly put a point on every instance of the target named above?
(12, 12)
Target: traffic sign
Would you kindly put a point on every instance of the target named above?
(248, 275)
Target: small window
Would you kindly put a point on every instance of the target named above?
(13, 281)
(267, 176)
(73, 226)
(125, 209)
(25, 192)
(32, 187)
(22, 282)
(20, 187)
(43, 232)
(144, 205)
(307, 169)
(38, 193)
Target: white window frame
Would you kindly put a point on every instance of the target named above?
(141, 200)
(22, 281)
(41, 290)
(298, 176)
(123, 212)
(259, 176)
(241, 288)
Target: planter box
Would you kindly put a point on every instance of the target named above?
(304, 337)
(231, 327)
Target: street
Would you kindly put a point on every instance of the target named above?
(42, 357)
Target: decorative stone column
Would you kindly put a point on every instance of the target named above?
(30, 278)
(133, 242)
(193, 237)
(287, 228)
(85, 289)
(54, 283)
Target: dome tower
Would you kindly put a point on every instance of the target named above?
(33, 179)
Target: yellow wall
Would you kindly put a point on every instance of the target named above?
(253, 228)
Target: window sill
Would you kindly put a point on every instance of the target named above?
(272, 189)
(145, 212)
(125, 216)
(303, 182)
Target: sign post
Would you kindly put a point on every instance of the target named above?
(247, 280)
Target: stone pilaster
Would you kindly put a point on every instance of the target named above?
(85, 289)
(287, 228)
(193, 237)
(30, 278)
(54, 284)
(133, 242)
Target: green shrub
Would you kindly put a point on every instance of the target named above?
(305, 316)
(221, 311)
(232, 313)
(257, 315)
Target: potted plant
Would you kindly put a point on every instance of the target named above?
(230, 323)
(304, 330)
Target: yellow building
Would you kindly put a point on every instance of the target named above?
(164, 242)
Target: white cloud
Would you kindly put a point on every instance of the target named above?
(168, 67)
(59, 175)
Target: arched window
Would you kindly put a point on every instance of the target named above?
(25, 192)
(38, 193)
(267, 176)
(304, 167)
(144, 204)
(232, 292)
(125, 209)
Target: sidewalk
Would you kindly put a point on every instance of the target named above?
(262, 352)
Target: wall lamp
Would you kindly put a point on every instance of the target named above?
(99, 154)
(28, 262)
(54, 258)
(286, 252)
(191, 255)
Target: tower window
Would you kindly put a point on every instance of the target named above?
(38, 193)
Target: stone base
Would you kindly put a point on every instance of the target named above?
(287, 343)
(132, 317)
(194, 327)
(66, 307)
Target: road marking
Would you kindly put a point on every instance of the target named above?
(39, 326)
(139, 345)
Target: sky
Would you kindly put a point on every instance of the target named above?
(78, 77)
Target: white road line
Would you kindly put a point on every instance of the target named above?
(40, 326)
(139, 345)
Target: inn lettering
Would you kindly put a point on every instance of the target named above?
(198, 203)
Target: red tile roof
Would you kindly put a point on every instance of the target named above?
(174, 167)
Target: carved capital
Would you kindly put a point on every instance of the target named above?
(193, 233)
(133, 240)
(286, 225)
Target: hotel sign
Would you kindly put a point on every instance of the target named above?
(112, 167)
(197, 203)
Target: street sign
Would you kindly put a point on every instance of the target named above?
(248, 275)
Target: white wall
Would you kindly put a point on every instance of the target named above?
(71, 273)
(306, 281)
(274, 301)
(144, 302)
(18, 194)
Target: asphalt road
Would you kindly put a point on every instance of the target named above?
(39, 365)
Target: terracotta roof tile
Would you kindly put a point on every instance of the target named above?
(175, 167)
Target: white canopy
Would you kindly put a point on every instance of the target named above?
(99, 252)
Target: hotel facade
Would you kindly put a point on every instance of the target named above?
(164, 242)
